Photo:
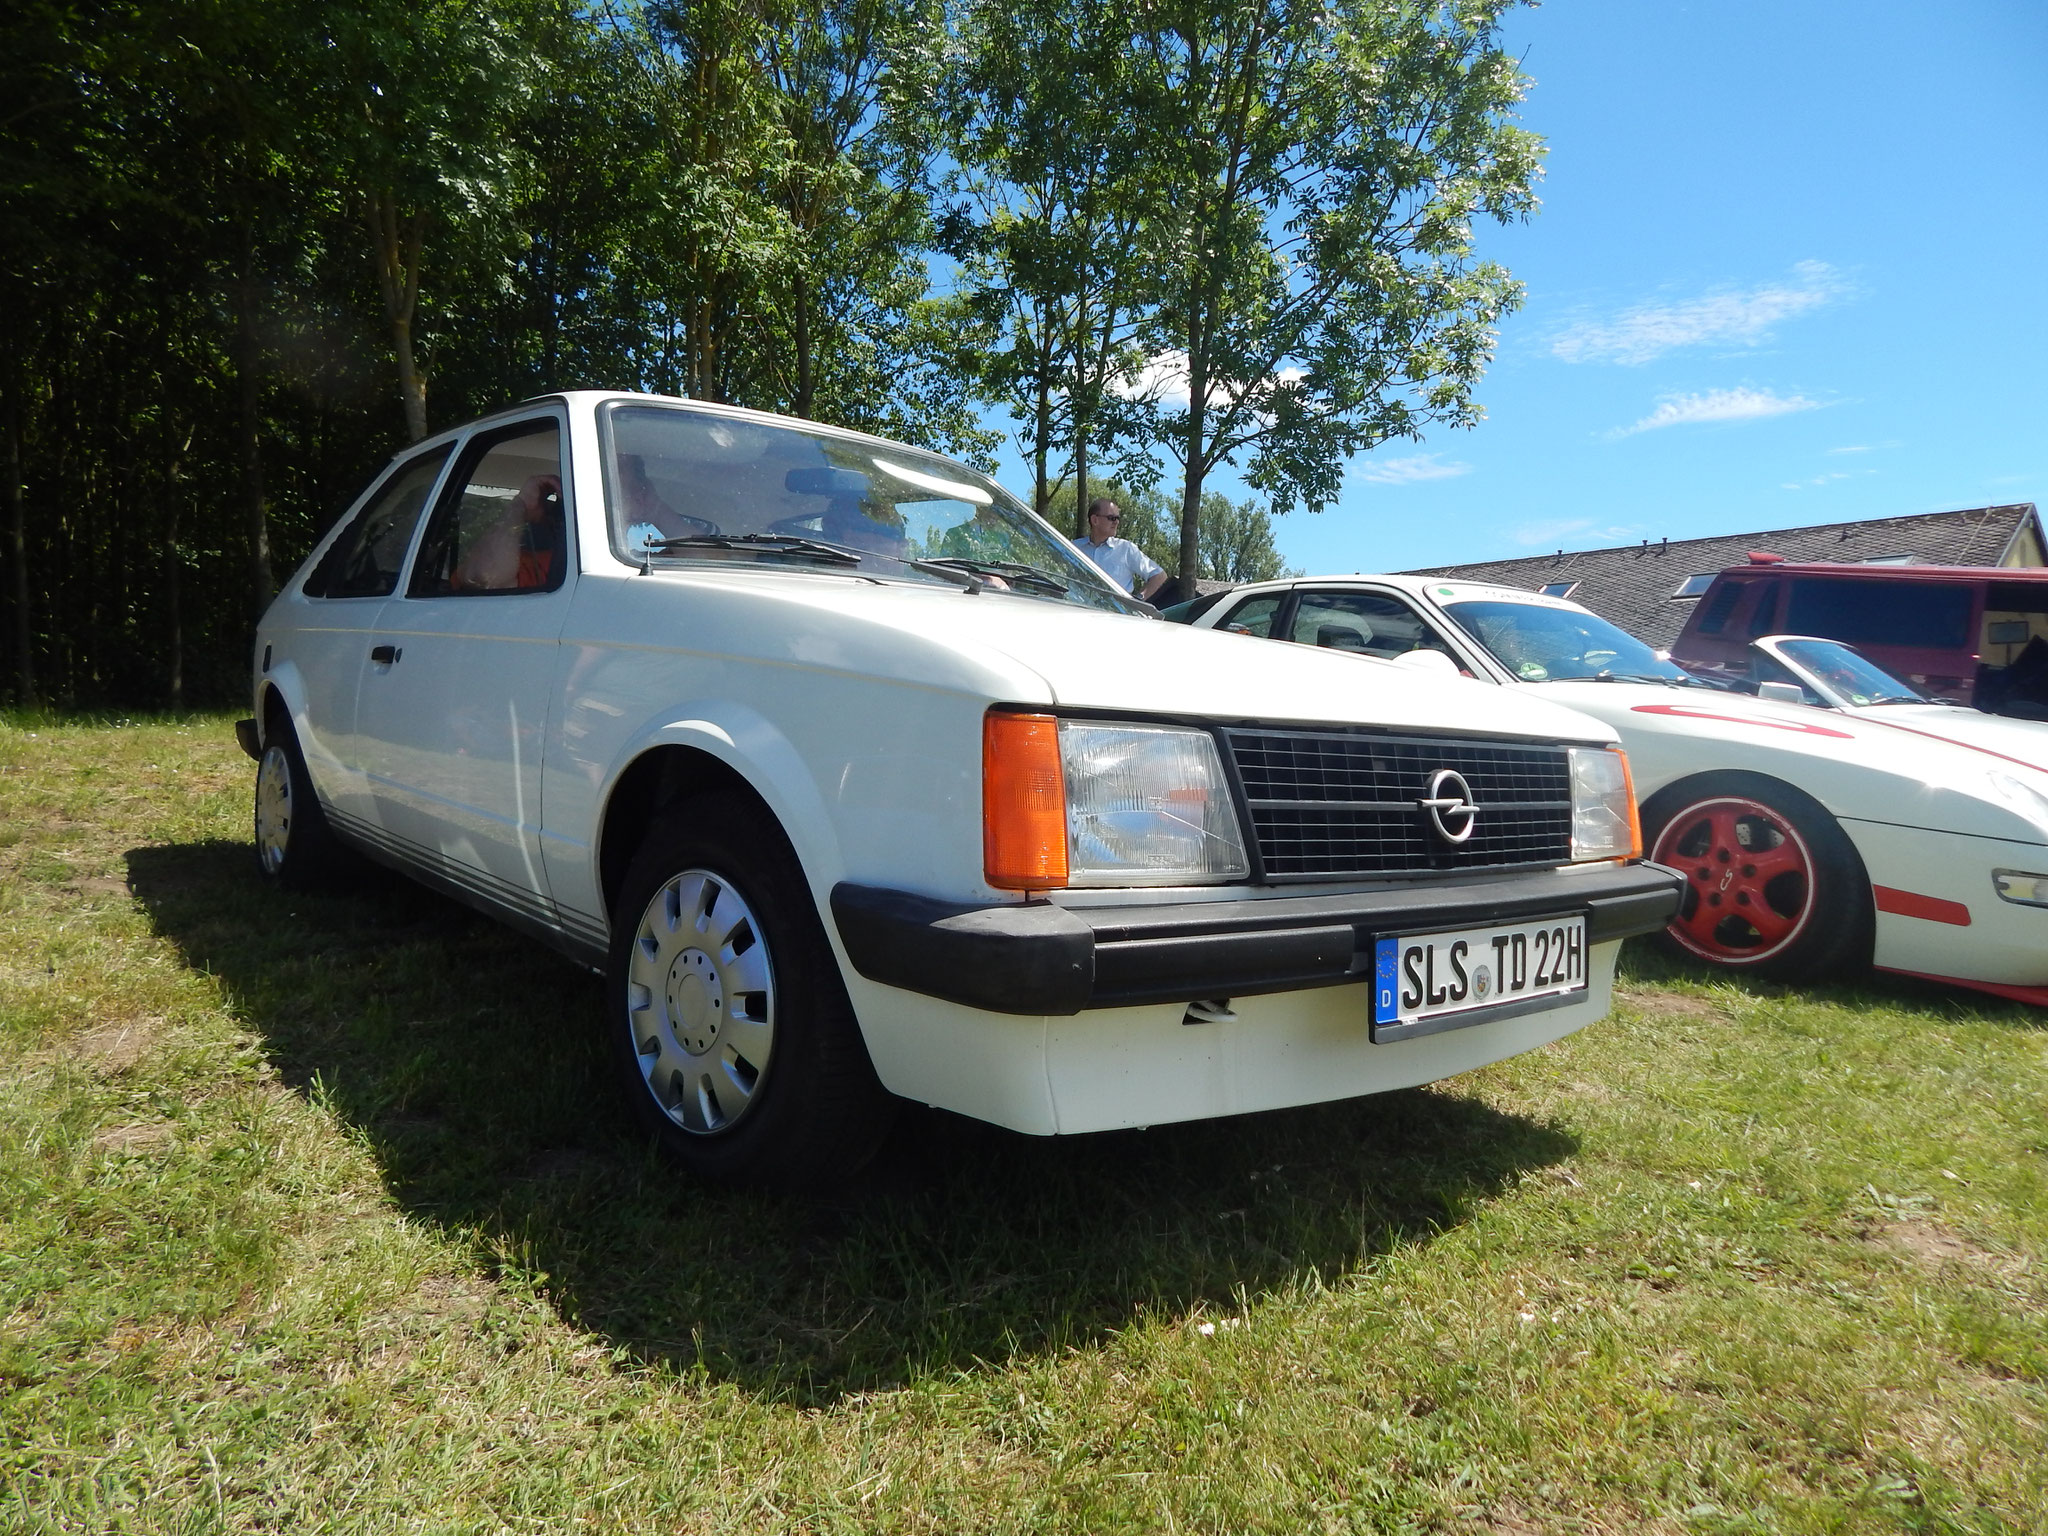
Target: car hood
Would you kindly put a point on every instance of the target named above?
(1027, 651)
(1854, 763)
(2021, 741)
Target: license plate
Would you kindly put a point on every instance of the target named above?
(1424, 982)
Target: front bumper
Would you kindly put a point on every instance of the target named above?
(1037, 958)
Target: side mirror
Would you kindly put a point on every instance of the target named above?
(1427, 661)
(1783, 693)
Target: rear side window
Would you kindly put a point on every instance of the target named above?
(1714, 617)
(1253, 617)
(1362, 622)
(1912, 613)
(365, 560)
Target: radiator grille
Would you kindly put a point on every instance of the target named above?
(1332, 804)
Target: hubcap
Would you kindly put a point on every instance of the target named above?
(700, 1002)
(1748, 877)
(273, 808)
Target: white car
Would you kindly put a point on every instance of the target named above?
(856, 780)
(1810, 842)
(1830, 675)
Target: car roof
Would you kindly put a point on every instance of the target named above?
(1863, 571)
(1435, 588)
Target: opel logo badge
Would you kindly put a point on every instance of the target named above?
(1449, 805)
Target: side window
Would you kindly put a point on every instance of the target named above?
(365, 560)
(1933, 615)
(1765, 609)
(1253, 617)
(1714, 616)
(499, 526)
(1367, 623)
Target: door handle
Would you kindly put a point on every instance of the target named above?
(387, 654)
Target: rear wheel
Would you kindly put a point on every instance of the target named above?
(294, 843)
(732, 1035)
(1773, 884)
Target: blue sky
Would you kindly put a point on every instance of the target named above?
(1791, 267)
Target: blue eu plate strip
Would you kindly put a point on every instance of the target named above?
(1386, 981)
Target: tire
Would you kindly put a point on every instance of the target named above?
(295, 845)
(1774, 887)
(731, 1033)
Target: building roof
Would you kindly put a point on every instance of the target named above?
(1633, 585)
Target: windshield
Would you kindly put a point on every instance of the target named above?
(1857, 680)
(1543, 645)
(686, 485)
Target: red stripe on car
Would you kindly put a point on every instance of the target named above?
(1912, 904)
(1684, 713)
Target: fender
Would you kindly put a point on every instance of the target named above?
(744, 740)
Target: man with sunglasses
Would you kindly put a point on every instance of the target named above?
(1120, 560)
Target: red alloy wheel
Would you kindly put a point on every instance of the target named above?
(1749, 879)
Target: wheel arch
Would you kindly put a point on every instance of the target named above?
(663, 775)
(1658, 808)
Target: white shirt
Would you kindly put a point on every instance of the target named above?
(1121, 561)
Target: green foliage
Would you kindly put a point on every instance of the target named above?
(1271, 203)
(247, 249)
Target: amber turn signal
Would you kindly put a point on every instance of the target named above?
(1635, 815)
(1023, 803)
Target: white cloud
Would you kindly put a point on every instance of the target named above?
(1648, 331)
(1421, 466)
(1579, 530)
(1164, 380)
(1717, 405)
(1827, 479)
(1859, 448)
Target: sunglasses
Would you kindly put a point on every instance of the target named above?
(1108, 517)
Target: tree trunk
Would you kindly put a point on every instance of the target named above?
(249, 435)
(805, 404)
(1081, 478)
(1197, 467)
(174, 566)
(17, 541)
(397, 247)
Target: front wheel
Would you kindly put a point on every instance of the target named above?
(295, 846)
(732, 1036)
(1773, 884)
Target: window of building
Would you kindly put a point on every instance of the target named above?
(1559, 588)
(1693, 586)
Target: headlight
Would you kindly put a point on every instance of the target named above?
(1071, 802)
(1604, 822)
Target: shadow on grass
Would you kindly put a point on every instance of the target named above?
(1646, 963)
(471, 1062)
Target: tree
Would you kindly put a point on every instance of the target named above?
(1320, 164)
(1050, 240)
(418, 96)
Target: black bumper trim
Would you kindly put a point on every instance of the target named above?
(1037, 958)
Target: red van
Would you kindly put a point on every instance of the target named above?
(1975, 634)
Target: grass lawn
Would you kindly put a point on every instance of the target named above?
(316, 1214)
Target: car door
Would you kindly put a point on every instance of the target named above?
(453, 712)
(336, 610)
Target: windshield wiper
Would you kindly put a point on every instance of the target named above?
(1029, 576)
(763, 543)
